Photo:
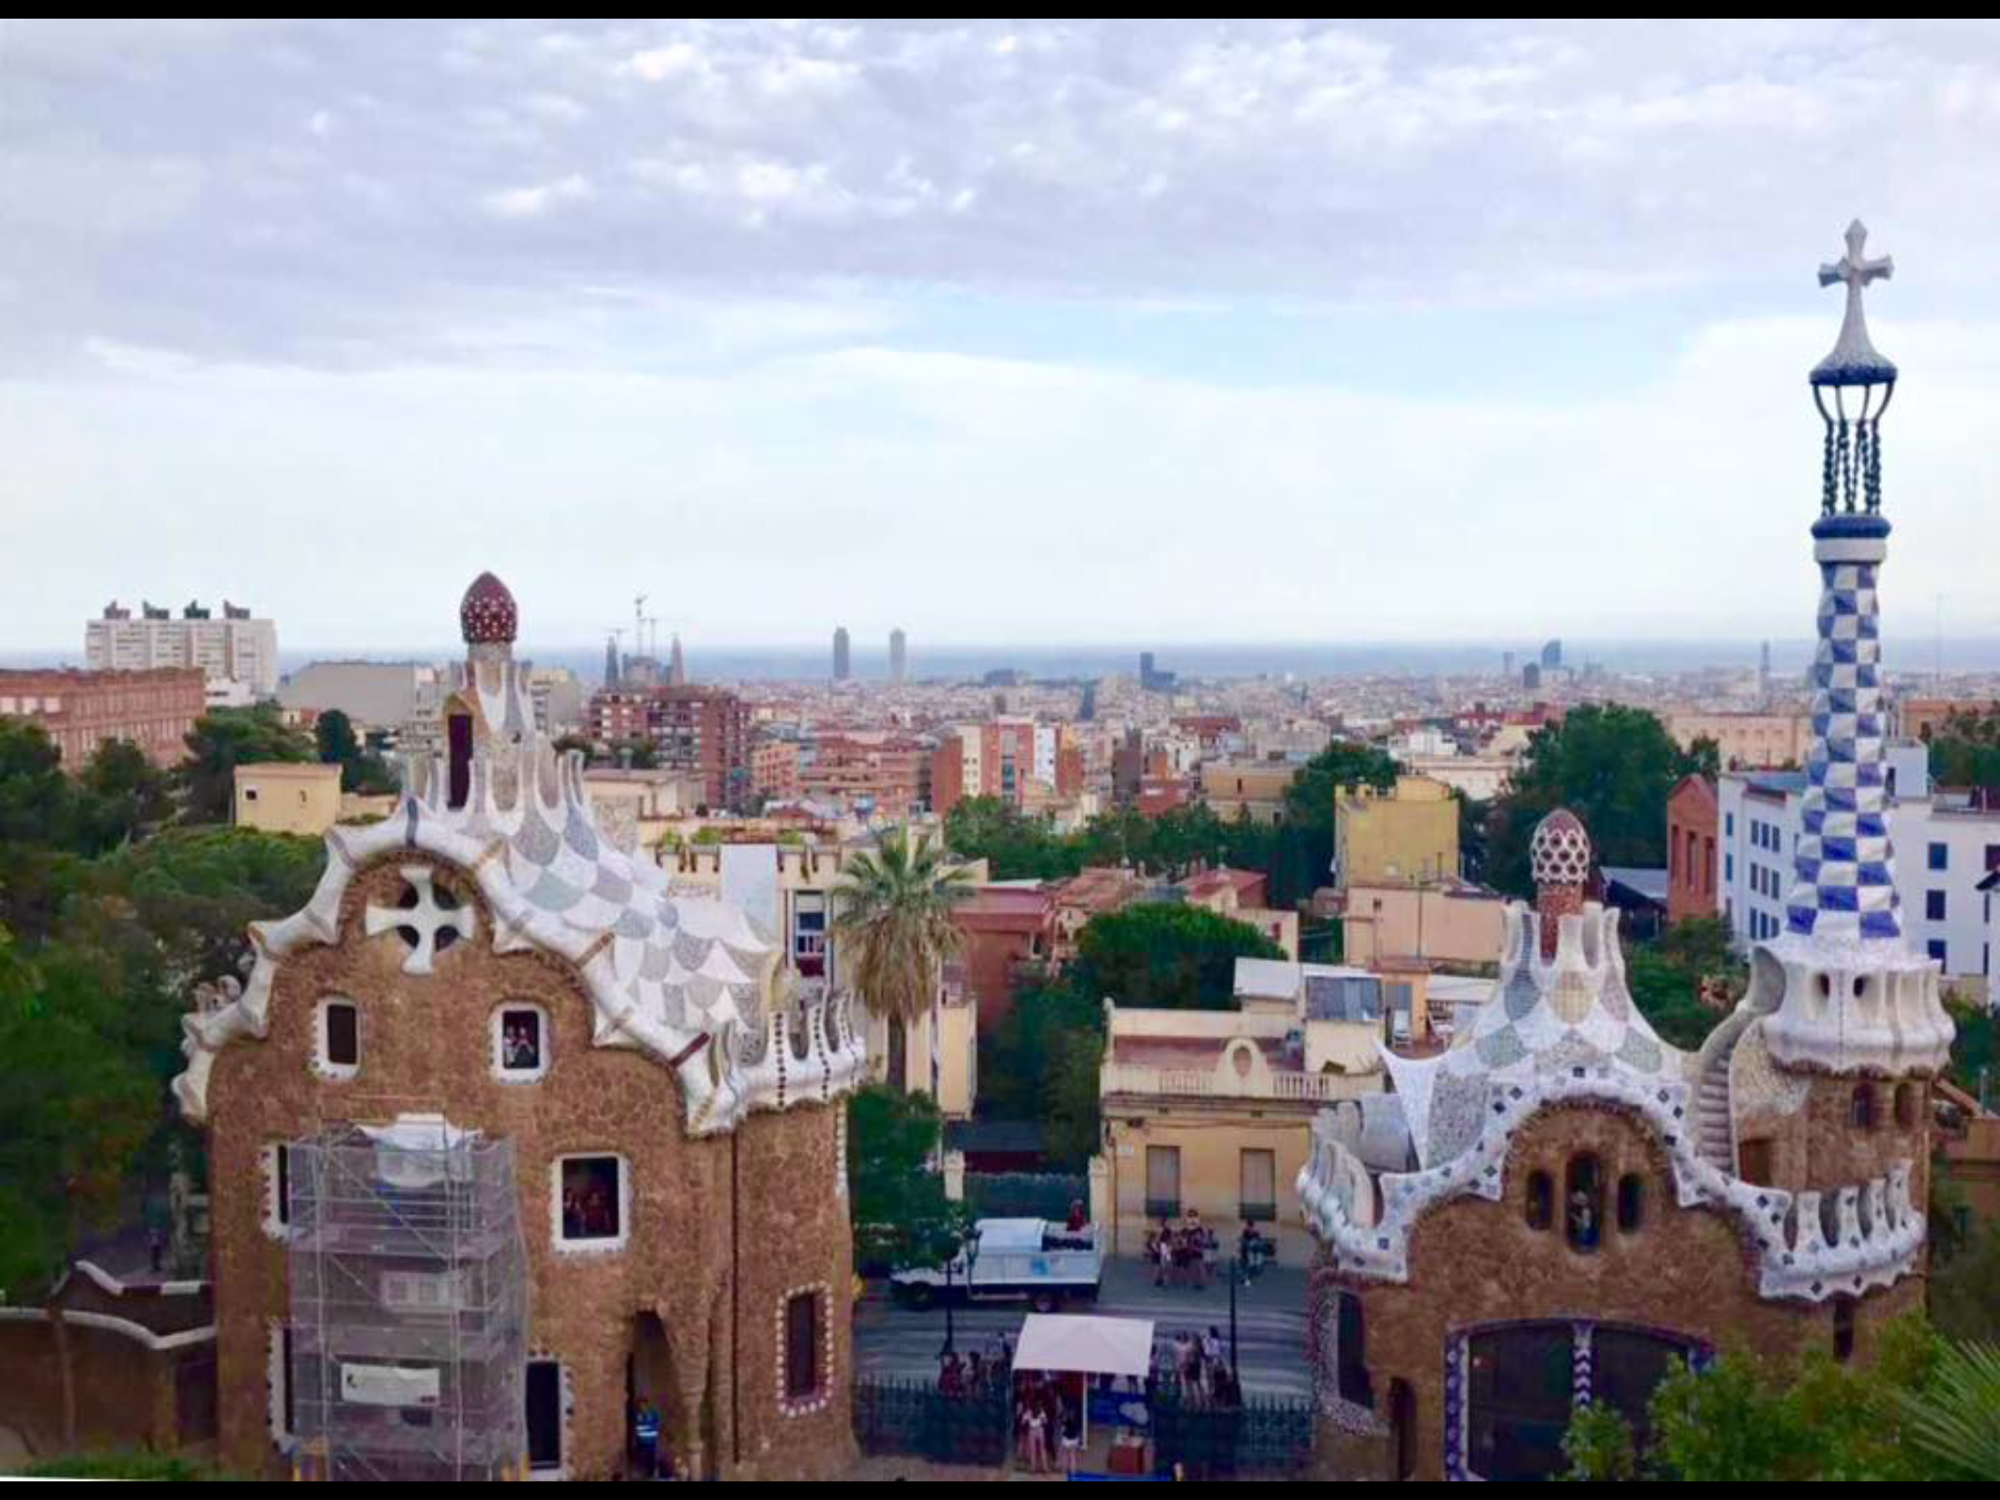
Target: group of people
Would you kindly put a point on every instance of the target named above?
(1183, 1254)
(1188, 1254)
(1048, 1425)
(520, 1046)
(976, 1374)
(1195, 1365)
(589, 1209)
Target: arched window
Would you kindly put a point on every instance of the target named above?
(1861, 1112)
(1906, 1105)
(1541, 1200)
(1583, 1204)
(1631, 1203)
(1843, 1328)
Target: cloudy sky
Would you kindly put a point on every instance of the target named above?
(1036, 332)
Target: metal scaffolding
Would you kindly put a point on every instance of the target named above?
(409, 1304)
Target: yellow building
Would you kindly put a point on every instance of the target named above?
(900, 1054)
(1234, 787)
(287, 797)
(1448, 922)
(1212, 1111)
(1408, 834)
(1746, 741)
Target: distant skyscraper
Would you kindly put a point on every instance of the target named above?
(1507, 665)
(677, 671)
(1087, 711)
(843, 666)
(1552, 655)
(1531, 676)
(611, 662)
(899, 656)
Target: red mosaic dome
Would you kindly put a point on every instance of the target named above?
(487, 615)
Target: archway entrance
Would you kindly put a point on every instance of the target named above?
(1523, 1381)
(651, 1402)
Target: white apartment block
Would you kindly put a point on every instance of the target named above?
(235, 653)
(1947, 846)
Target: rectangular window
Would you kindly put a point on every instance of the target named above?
(1163, 1182)
(520, 1042)
(591, 1201)
(1258, 1186)
(1940, 856)
(809, 934)
(803, 1331)
(343, 1035)
(282, 1167)
(1934, 906)
(1940, 952)
(1992, 858)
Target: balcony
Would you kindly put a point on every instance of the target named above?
(1209, 1083)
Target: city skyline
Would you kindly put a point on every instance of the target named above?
(1239, 333)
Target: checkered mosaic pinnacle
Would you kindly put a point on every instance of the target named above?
(1845, 889)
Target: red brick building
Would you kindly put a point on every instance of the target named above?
(885, 774)
(1691, 836)
(1003, 759)
(774, 769)
(701, 731)
(154, 709)
(1007, 929)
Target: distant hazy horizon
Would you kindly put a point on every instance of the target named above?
(1084, 659)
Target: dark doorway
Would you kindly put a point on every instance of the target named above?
(545, 1423)
(1521, 1395)
(1403, 1427)
(1352, 1350)
(1626, 1366)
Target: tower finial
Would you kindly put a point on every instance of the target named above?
(1852, 471)
(1560, 856)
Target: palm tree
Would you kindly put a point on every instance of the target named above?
(1952, 1418)
(893, 929)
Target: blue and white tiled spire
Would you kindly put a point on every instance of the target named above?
(1845, 887)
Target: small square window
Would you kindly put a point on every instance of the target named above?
(520, 1043)
(1939, 952)
(1934, 906)
(1940, 856)
(590, 1202)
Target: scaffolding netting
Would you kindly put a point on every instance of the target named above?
(409, 1304)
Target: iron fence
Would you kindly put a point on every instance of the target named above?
(914, 1419)
(1262, 1436)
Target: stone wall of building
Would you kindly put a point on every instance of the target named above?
(1475, 1262)
(708, 1217)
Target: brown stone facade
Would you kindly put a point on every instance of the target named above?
(720, 1230)
(155, 709)
(1477, 1264)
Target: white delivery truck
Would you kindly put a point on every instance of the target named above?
(1030, 1259)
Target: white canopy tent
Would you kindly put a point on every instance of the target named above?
(1055, 1344)
(1061, 1345)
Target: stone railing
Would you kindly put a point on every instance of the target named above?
(1223, 1083)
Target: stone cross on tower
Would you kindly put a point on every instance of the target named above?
(426, 919)
(1854, 360)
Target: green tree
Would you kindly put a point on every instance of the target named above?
(1042, 1062)
(74, 1113)
(1954, 1420)
(1965, 1281)
(1014, 845)
(224, 739)
(1667, 974)
(1599, 1447)
(901, 1215)
(893, 927)
(1612, 766)
(335, 739)
(122, 795)
(1748, 1420)
(1966, 751)
(1166, 955)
